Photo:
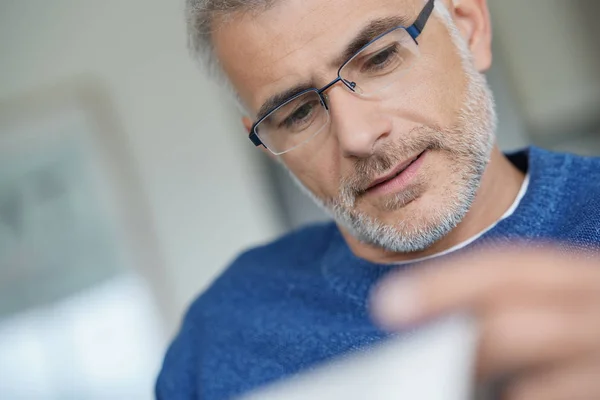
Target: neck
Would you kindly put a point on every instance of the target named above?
(500, 185)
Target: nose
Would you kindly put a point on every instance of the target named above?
(357, 123)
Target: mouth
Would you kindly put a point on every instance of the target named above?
(399, 177)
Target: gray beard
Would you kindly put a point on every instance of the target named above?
(471, 151)
(476, 125)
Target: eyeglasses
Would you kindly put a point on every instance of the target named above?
(375, 67)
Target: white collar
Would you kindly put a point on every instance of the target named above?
(467, 242)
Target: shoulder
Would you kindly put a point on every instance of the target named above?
(582, 201)
(262, 274)
(298, 247)
(573, 182)
(216, 322)
(584, 176)
(577, 176)
(290, 254)
(572, 176)
(565, 165)
(264, 271)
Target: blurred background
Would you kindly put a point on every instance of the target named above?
(115, 208)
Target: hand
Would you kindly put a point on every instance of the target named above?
(538, 313)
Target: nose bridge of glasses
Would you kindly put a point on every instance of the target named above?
(349, 85)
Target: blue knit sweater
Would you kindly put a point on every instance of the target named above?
(301, 300)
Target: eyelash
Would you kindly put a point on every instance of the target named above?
(391, 51)
(287, 122)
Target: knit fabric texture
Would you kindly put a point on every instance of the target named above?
(303, 299)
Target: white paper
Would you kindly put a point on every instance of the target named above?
(432, 363)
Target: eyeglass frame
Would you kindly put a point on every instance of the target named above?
(414, 31)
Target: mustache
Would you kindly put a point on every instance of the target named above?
(389, 155)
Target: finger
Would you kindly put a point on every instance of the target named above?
(480, 280)
(571, 382)
(514, 340)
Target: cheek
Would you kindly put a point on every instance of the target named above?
(430, 96)
(447, 76)
(451, 87)
(433, 92)
(316, 166)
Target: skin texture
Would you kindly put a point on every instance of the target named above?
(276, 58)
(549, 344)
(538, 311)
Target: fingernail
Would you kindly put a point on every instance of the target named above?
(395, 303)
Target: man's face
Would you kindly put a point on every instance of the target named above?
(440, 111)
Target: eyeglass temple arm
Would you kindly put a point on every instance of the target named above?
(416, 28)
(255, 139)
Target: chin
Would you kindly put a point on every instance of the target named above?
(413, 228)
(412, 216)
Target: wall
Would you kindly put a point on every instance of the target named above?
(203, 183)
(552, 51)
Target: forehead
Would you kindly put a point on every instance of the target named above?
(294, 42)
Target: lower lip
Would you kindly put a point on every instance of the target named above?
(401, 181)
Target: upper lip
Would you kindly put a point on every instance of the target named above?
(399, 168)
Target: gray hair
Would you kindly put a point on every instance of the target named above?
(200, 17)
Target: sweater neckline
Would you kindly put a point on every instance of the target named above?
(353, 277)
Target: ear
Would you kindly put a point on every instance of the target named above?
(247, 122)
(472, 18)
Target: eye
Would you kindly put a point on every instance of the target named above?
(300, 116)
(386, 58)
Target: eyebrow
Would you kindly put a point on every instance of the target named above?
(280, 97)
(373, 29)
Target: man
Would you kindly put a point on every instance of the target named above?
(381, 111)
